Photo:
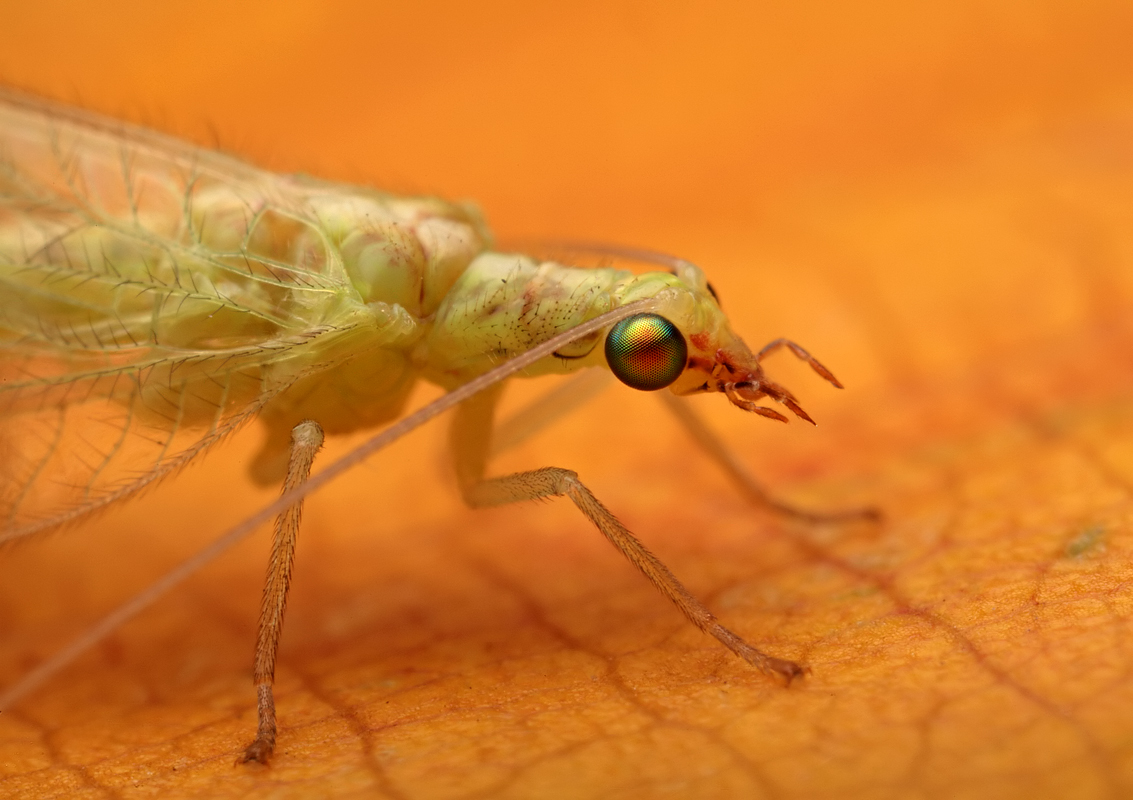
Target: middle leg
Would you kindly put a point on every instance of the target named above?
(471, 434)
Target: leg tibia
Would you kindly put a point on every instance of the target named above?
(552, 482)
(306, 439)
(470, 440)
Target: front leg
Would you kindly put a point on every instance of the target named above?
(306, 440)
(471, 440)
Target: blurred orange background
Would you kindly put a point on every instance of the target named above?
(935, 200)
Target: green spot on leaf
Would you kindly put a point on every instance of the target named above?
(1093, 538)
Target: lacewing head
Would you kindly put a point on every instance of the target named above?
(689, 324)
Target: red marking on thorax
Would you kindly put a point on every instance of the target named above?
(700, 341)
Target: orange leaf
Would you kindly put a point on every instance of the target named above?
(936, 203)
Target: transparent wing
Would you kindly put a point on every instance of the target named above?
(153, 297)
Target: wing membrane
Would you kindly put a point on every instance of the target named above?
(149, 292)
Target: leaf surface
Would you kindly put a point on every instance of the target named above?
(936, 206)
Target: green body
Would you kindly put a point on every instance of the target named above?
(153, 296)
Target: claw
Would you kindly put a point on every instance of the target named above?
(798, 411)
(788, 670)
(825, 373)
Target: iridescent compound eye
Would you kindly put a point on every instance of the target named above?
(646, 351)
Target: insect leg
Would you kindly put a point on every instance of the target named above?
(470, 435)
(720, 453)
(306, 439)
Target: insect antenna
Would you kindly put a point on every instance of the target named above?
(145, 598)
